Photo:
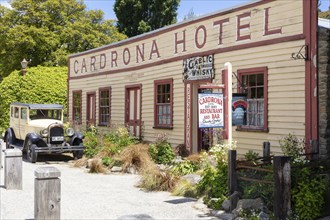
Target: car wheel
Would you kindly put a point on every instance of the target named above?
(31, 154)
(8, 141)
(78, 154)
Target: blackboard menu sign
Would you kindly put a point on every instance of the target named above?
(239, 106)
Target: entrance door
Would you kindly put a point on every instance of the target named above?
(91, 106)
(133, 110)
(205, 135)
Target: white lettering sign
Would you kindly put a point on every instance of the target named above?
(210, 108)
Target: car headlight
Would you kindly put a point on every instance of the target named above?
(69, 131)
(44, 132)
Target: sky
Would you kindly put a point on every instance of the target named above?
(199, 7)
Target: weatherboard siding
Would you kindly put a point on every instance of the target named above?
(286, 77)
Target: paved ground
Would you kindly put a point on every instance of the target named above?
(96, 196)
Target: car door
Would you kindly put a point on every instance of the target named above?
(14, 121)
(23, 122)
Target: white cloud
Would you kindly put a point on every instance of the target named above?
(6, 4)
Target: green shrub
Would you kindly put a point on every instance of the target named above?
(214, 179)
(293, 147)
(161, 152)
(107, 161)
(307, 194)
(91, 143)
(39, 85)
(251, 156)
(119, 139)
(185, 167)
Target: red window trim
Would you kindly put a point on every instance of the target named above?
(156, 83)
(252, 71)
(80, 107)
(102, 90)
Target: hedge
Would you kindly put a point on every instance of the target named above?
(40, 85)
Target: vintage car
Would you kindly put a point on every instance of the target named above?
(38, 128)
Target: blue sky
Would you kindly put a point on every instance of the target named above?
(199, 7)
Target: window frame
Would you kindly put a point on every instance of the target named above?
(103, 89)
(156, 84)
(73, 107)
(255, 71)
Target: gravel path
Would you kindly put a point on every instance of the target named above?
(97, 196)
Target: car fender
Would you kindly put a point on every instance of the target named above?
(77, 135)
(35, 139)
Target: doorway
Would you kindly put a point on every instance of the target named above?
(205, 135)
(91, 107)
(133, 109)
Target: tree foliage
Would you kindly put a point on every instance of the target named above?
(46, 31)
(325, 14)
(39, 85)
(140, 16)
(191, 15)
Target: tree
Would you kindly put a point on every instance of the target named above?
(140, 16)
(47, 31)
(325, 14)
(191, 15)
(39, 85)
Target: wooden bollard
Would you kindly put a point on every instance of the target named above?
(47, 193)
(282, 190)
(0, 153)
(13, 169)
(266, 151)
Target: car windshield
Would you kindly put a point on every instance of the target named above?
(45, 114)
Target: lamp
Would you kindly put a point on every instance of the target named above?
(24, 64)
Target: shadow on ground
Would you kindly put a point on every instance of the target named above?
(52, 158)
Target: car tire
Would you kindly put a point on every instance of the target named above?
(31, 153)
(78, 154)
(8, 141)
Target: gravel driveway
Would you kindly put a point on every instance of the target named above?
(97, 196)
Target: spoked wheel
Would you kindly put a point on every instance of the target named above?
(31, 153)
(78, 154)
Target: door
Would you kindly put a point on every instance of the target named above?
(133, 110)
(91, 107)
(205, 135)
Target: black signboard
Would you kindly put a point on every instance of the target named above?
(239, 106)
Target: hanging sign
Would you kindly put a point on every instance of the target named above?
(210, 109)
(239, 104)
(197, 68)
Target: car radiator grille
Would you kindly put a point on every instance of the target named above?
(56, 135)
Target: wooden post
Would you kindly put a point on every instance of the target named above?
(13, 169)
(47, 193)
(232, 179)
(266, 151)
(0, 153)
(282, 177)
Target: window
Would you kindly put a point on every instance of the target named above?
(104, 106)
(163, 110)
(23, 113)
(254, 83)
(16, 112)
(76, 107)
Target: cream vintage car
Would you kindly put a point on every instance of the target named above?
(38, 128)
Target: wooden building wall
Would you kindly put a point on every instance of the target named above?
(286, 77)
